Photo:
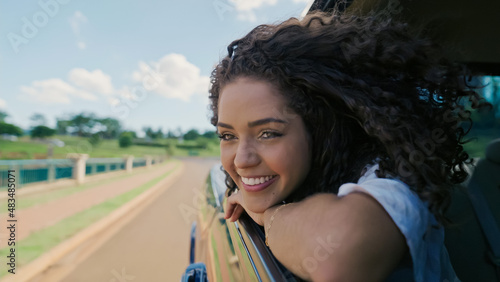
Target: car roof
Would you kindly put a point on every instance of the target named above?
(467, 30)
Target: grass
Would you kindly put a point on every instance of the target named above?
(43, 240)
(21, 149)
(41, 198)
(26, 148)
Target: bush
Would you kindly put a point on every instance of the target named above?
(126, 140)
(190, 146)
(148, 144)
(42, 131)
(191, 135)
(7, 128)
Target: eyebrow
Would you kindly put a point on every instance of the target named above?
(254, 123)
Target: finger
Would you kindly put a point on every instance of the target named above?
(232, 202)
(237, 213)
(229, 210)
(231, 205)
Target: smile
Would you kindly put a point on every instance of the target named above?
(256, 184)
(258, 180)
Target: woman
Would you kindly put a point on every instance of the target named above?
(342, 136)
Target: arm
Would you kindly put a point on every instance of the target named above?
(327, 238)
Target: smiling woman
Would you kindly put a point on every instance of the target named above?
(266, 152)
(358, 127)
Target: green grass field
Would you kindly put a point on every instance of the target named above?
(25, 148)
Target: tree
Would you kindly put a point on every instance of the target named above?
(126, 139)
(38, 119)
(42, 131)
(83, 123)
(7, 128)
(158, 134)
(191, 135)
(148, 131)
(3, 115)
(171, 134)
(62, 126)
(111, 127)
(210, 134)
(86, 124)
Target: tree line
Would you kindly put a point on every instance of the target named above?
(95, 128)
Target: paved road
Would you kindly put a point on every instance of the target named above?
(151, 247)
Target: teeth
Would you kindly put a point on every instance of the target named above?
(255, 181)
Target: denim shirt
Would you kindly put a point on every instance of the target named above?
(425, 240)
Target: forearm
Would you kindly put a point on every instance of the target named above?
(300, 236)
(327, 238)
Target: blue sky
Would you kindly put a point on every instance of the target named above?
(146, 63)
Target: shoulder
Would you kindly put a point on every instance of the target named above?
(410, 214)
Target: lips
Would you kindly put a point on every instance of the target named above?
(260, 186)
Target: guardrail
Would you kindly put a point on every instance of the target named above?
(77, 166)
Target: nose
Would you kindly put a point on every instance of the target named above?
(246, 155)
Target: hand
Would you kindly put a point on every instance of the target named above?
(235, 207)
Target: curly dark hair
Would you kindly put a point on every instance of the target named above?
(368, 90)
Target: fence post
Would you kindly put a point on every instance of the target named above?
(149, 160)
(79, 161)
(51, 173)
(129, 163)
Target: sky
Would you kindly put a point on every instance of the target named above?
(145, 63)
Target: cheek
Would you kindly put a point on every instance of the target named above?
(296, 158)
(227, 157)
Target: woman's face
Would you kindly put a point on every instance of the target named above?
(264, 146)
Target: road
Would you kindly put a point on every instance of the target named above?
(153, 246)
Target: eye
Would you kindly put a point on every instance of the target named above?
(270, 135)
(226, 137)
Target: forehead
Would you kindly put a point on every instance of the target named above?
(251, 98)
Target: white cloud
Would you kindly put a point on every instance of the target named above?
(3, 104)
(172, 77)
(93, 81)
(302, 1)
(246, 8)
(54, 91)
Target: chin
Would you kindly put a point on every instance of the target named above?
(257, 206)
